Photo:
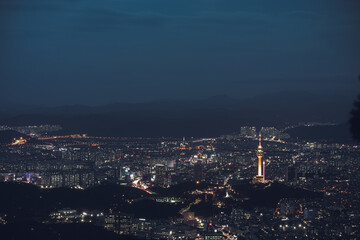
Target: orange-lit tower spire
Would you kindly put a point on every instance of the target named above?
(259, 154)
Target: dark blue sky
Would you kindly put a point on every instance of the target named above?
(95, 52)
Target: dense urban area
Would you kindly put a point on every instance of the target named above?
(243, 185)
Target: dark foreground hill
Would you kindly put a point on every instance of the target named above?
(26, 206)
(264, 196)
(34, 230)
(249, 196)
(25, 200)
(29, 201)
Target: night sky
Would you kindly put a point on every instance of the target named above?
(103, 51)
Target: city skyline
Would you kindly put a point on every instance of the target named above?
(173, 188)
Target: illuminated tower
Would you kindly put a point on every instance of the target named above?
(259, 154)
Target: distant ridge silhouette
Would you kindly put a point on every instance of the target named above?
(212, 116)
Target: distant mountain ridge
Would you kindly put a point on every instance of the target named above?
(335, 132)
(204, 117)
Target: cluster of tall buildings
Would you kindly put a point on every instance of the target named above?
(267, 133)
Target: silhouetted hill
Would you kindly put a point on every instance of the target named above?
(35, 230)
(339, 132)
(24, 200)
(253, 195)
(155, 123)
(27, 201)
(256, 195)
(260, 196)
(205, 117)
